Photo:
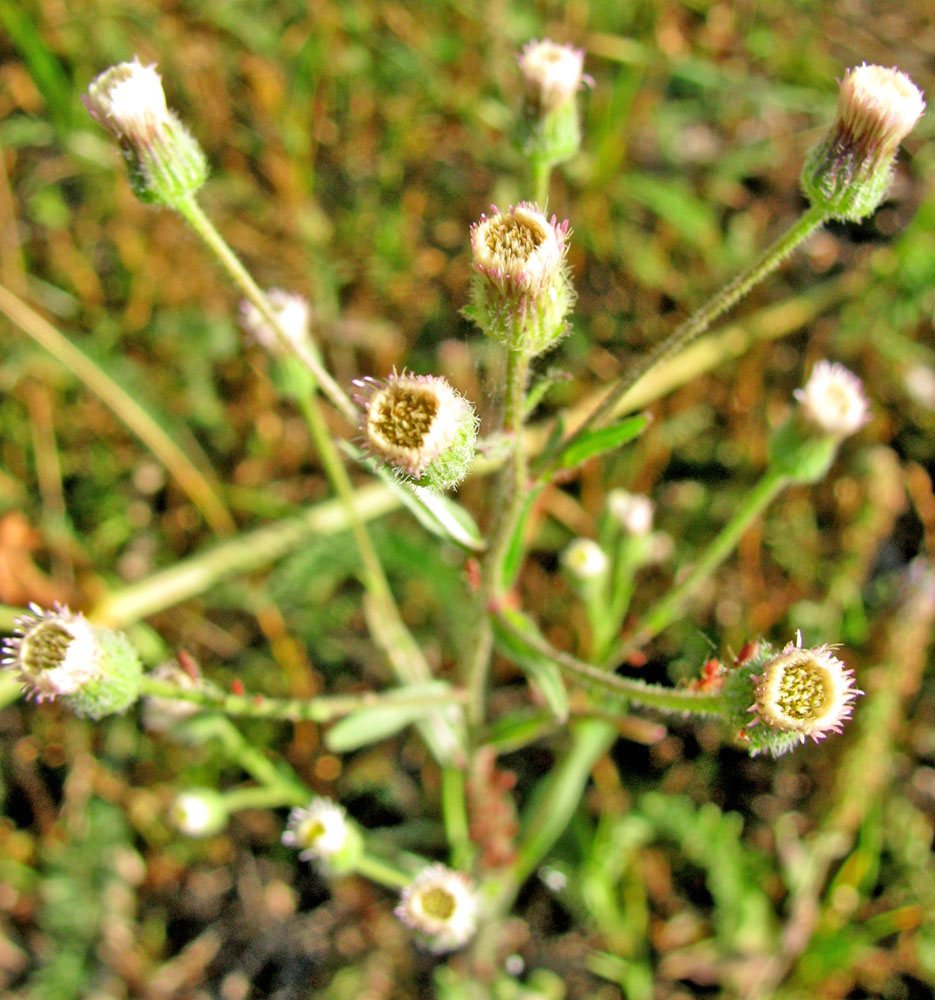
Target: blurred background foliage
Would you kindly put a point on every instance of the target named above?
(351, 144)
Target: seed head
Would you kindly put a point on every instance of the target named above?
(441, 905)
(552, 73)
(804, 692)
(849, 171)
(833, 400)
(420, 426)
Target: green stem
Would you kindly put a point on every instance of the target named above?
(676, 700)
(260, 797)
(381, 872)
(541, 175)
(191, 211)
(701, 319)
(322, 709)
(511, 493)
(454, 811)
(666, 610)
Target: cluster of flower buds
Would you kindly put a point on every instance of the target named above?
(848, 172)
(322, 833)
(832, 406)
(60, 654)
(521, 292)
(552, 76)
(165, 162)
(420, 426)
(796, 694)
(441, 906)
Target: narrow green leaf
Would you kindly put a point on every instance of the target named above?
(542, 672)
(370, 725)
(513, 560)
(603, 440)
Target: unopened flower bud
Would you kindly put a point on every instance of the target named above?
(165, 162)
(521, 292)
(632, 511)
(293, 313)
(59, 654)
(323, 833)
(552, 75)
(441, 906)
(585, 560)
(420, 426)
(848, 172)
(199, 812)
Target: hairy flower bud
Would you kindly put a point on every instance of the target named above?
(632, 511)
(849, 171)
(293, 313)
(585, 560)
(420, 426)
(58, 653)
(521, 292)
(441, 905)
(165, 162)
(199, 812)
(323, 833)
(833, 400)
(552, 75)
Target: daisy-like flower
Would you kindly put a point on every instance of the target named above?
(319, 830)
(833, 400)
(199, 812)
(585, 560)
(441, 906)
(166, 164)
(420, 426)
(60, 654)
(293, 313)
(552, 73)
(849, 171)
(55, 652)
(632, 511)
(805, 692)
(521, 294)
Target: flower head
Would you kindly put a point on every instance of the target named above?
(804, 692)
(58, 653)
(199, 812)
(419, 425)
(54, 652)
(632, 511)
(522, 292)
(166, 164)
(833, 400)
(441, 905)
(553, 73)
(848, 172)
(320, 830)
(585, 560)
(293, 313)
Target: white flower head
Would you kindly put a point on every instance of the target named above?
(419, 425)
(441, 905)
(199, 812)
(585, 560)
(632, 511)
(128, 100)
(877, 109)
(519, 251)
(808, 692)
(553, 73)
(293, 313)
(55, 652)
(833, 400)
(320, 830)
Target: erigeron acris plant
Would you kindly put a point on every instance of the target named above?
(424, 433)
